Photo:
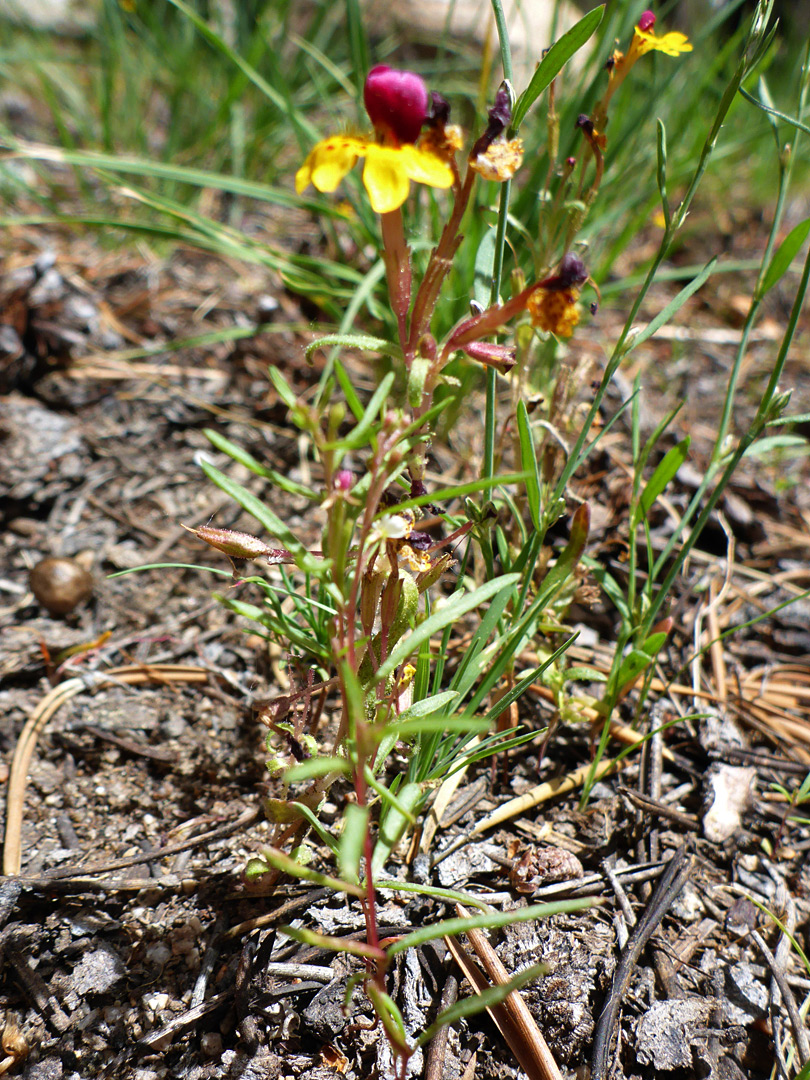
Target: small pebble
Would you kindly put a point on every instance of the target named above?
(60, 585)
(211, 1044)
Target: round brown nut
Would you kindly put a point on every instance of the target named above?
(60, 584)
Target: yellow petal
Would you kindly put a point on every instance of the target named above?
(672, 44)
(425, 167)
(385, 178)
(328, 162)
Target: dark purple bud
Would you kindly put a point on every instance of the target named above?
(500, 117)
(570, 162)
(610, 64)
(396, 101)
(571, 274)
(418, 489)
(572, 270)
(439, 110)
(585, 123)
(594, 308)
(420, 541)
(646, 22)
(501, 111)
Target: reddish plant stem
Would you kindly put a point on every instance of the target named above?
(441, 261)
(397, 269)
(370, 902)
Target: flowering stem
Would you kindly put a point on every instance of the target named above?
(488, 466)
(440, 264)
(397, 269)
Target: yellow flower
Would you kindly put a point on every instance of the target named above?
(644, 41)
(554, 310)
(387, 173)
(671, 44)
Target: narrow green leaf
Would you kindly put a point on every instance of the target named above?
(775, 112)
(238, 454)
(388, 797)
(280, 861)
(528, 461)
(349, 392)
(394, 821)
(801, 418)
(427, 706)
(332, 944)
(583, 673)
(452, 611)
(517, 691)
(490, 921)
(609, 586)
(484, 262)
(389, 1014)
(465, 725)
(673, 306)
(475, 656)
(316, 766)
(358, 40)
(785, 254)
(326, 838)
(364, 342)
(455, 895)
(637, 660)
(552, 63)
(458, 491)
(763, 447)
(352, 841)
(282, 387)
(633, 664)
(487, 999)
(665, 471)
(662, 172)
(803, 792)
(567, 560)
(172, 566)
(177, 174)
(357, 436)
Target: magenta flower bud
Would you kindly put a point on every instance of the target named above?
(344, 480)
(396, 101)
(646, 22)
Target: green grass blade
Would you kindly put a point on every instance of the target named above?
(552, 63)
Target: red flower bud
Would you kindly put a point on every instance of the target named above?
(646, 22)
(397, 102)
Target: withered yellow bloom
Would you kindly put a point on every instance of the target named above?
(500, 161)
(554, 311)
